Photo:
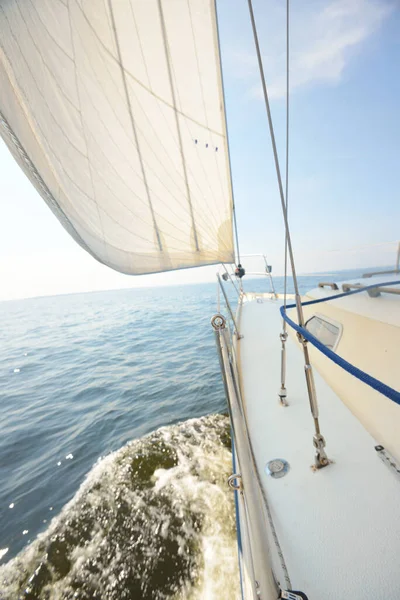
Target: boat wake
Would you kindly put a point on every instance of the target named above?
(153, 520)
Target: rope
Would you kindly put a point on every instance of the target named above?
(287, 153)
(274, 149)
(374, 383)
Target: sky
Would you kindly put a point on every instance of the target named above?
(344, 203)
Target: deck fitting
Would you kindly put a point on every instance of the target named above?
(277, 468)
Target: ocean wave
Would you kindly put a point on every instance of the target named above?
(153, 520)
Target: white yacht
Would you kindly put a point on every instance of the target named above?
(115, 111)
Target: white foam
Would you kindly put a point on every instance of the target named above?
(196, 513)
(3, 552)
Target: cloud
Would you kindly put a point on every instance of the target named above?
(324, 37)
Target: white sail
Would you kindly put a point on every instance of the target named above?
(114, 110)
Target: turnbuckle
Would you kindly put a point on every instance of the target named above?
(282, 394)
(321, 458)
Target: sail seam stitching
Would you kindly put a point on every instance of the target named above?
(83, 128)
(177, 184)
(34, 172)
(178, 128)
(167, 124)
(123, 75)
(21, 93)
(145, 87)
(205, 111)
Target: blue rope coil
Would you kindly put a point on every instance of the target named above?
(374, 383)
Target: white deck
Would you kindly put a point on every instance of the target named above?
(339, 528)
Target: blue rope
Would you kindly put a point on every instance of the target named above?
(377, 385)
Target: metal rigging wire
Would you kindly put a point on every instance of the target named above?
(275, 151)
(321, 459)
(287, 153)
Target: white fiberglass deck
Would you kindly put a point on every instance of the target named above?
(339, 528)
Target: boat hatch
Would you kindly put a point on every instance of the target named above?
(325, 330)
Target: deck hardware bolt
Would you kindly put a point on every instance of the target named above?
(277, 468)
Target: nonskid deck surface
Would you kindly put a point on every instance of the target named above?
(339, 528)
